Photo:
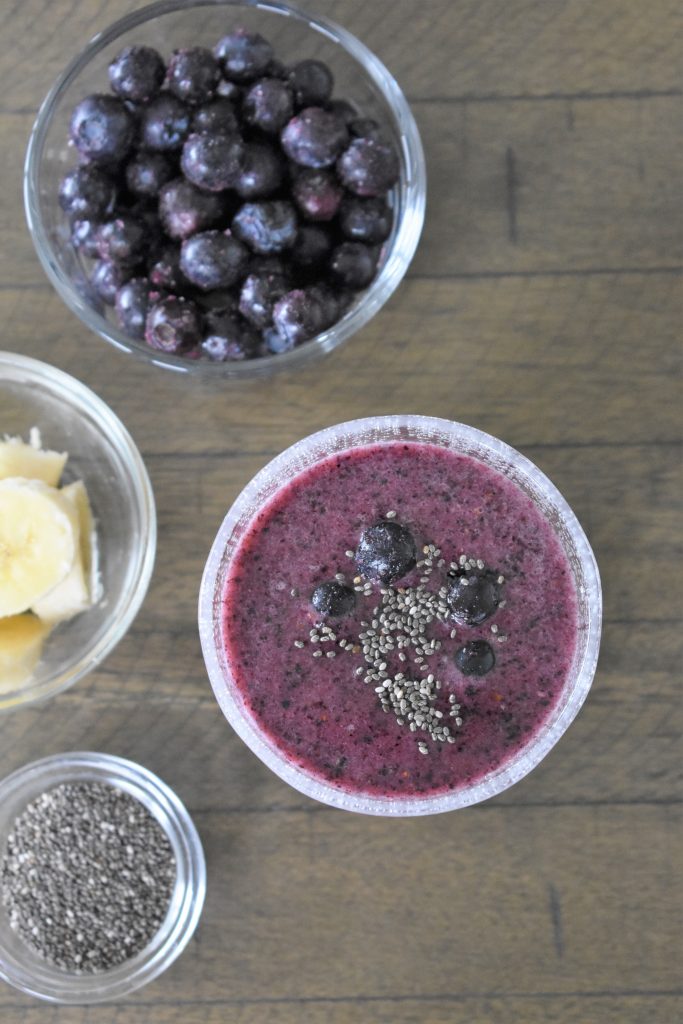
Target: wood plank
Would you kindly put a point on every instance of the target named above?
(338, 906)
(592, 360)
(477, 47)
(544, 305)
(550, 1008)
(513, 188)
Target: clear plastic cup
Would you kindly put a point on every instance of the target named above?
(463, 440)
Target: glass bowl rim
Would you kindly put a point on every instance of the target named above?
(25, 370)
(495, 782)
(398, 258)
(188, 896)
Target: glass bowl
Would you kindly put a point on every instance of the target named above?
(457, 438)
(27, 971)
(102, 453)
(359, 77)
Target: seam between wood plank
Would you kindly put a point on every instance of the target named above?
(494, 275)
(446, 997)
(634, 95)
(552, 97)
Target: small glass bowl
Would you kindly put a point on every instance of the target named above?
(359, 77)
(27, 971)
(72, 419)
(462, 440)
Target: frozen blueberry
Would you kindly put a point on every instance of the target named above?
(386, 551)
(277, 265)
(334, 599)
(163, 268)
(122, 240)
(276, 69)
(365, 128)
(312, 247)
(317, 194)
(475, 658)
(314, 138)
(106, 278)
(473, 597)
(86, 193)
(217, 116)
(243, 55)
(365, 220)
(344, 110)
(353, 265)
(146, 173)
(268, 105)
(102, 129)
(173, 324)
(276, 343)
(228, 337)
(213, 162)
(368, 167)
(267, 227)
(298, 316)
(132, 303)
(258, 297)
(184, 210)
(193, 74)
(213, 259)
(165, 124)
(262, 171)
(331, 303)
(84, 237)
(137, 73)
(229, 91)
(312, 82)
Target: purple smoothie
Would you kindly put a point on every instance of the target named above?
(319, 710)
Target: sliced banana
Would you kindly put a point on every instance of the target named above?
(17, 458)
(21, 644)
(74, 593)
(38, 542)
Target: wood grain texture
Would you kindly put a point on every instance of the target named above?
(544, 305)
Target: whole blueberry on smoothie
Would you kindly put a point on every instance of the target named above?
(333, 598)
(386, 551)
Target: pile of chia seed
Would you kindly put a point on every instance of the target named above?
(86, 876)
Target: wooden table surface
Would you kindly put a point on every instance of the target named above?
(544, 305)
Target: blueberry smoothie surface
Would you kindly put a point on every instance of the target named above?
(386, 678)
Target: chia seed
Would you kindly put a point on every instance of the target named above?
(86, 876)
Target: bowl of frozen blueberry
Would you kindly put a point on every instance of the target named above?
(225, 188)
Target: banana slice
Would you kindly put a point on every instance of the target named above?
(74, 594)
(38, 542)
(28, 460)
(21, 644)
